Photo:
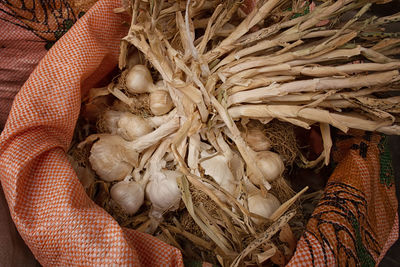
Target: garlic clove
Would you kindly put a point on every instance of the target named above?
(110, 158)
(128, 195)
(263, 206)
(160, 102)
(163, 191)
(270, 164)
(139, 80)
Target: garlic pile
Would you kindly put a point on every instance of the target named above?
(117, 155)
(200, 84)
(139, 156)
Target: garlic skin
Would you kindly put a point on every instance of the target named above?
(131, 126)
(111, 159)
(160, 102)
(128, 195)
(263, 206)
(270, 164)
(218, 168)
(162, 190)
(139, 80)
(257, 140)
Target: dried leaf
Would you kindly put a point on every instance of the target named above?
(272, 230)
(279, 258)
(286, 235)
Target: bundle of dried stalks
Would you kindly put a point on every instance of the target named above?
(229, 71)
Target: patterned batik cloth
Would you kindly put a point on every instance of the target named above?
(51, 210)
(356, 221)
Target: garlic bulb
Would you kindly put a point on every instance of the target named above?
(111, 159)
(162, 190)
(270, 164)
(131, 126)
(160, 102)
(128, 195)
(257, 140)
(263, 206)
(139, 80)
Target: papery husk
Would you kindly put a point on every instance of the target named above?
(314, 85)
(254, 62)
(186, 197)
(340, 121)
(286, 206)
(252, 19)
(169, 238)
(273, 229)
(193, 238)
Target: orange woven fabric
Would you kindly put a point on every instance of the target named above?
(356, 221)
(58, 222)
(28, 28)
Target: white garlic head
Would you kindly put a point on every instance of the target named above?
(162, 190)
(128, 195)
(160, 102)
(131, 126)
(270, 164)
(139, 80)
(263, 206)
(111, 159)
